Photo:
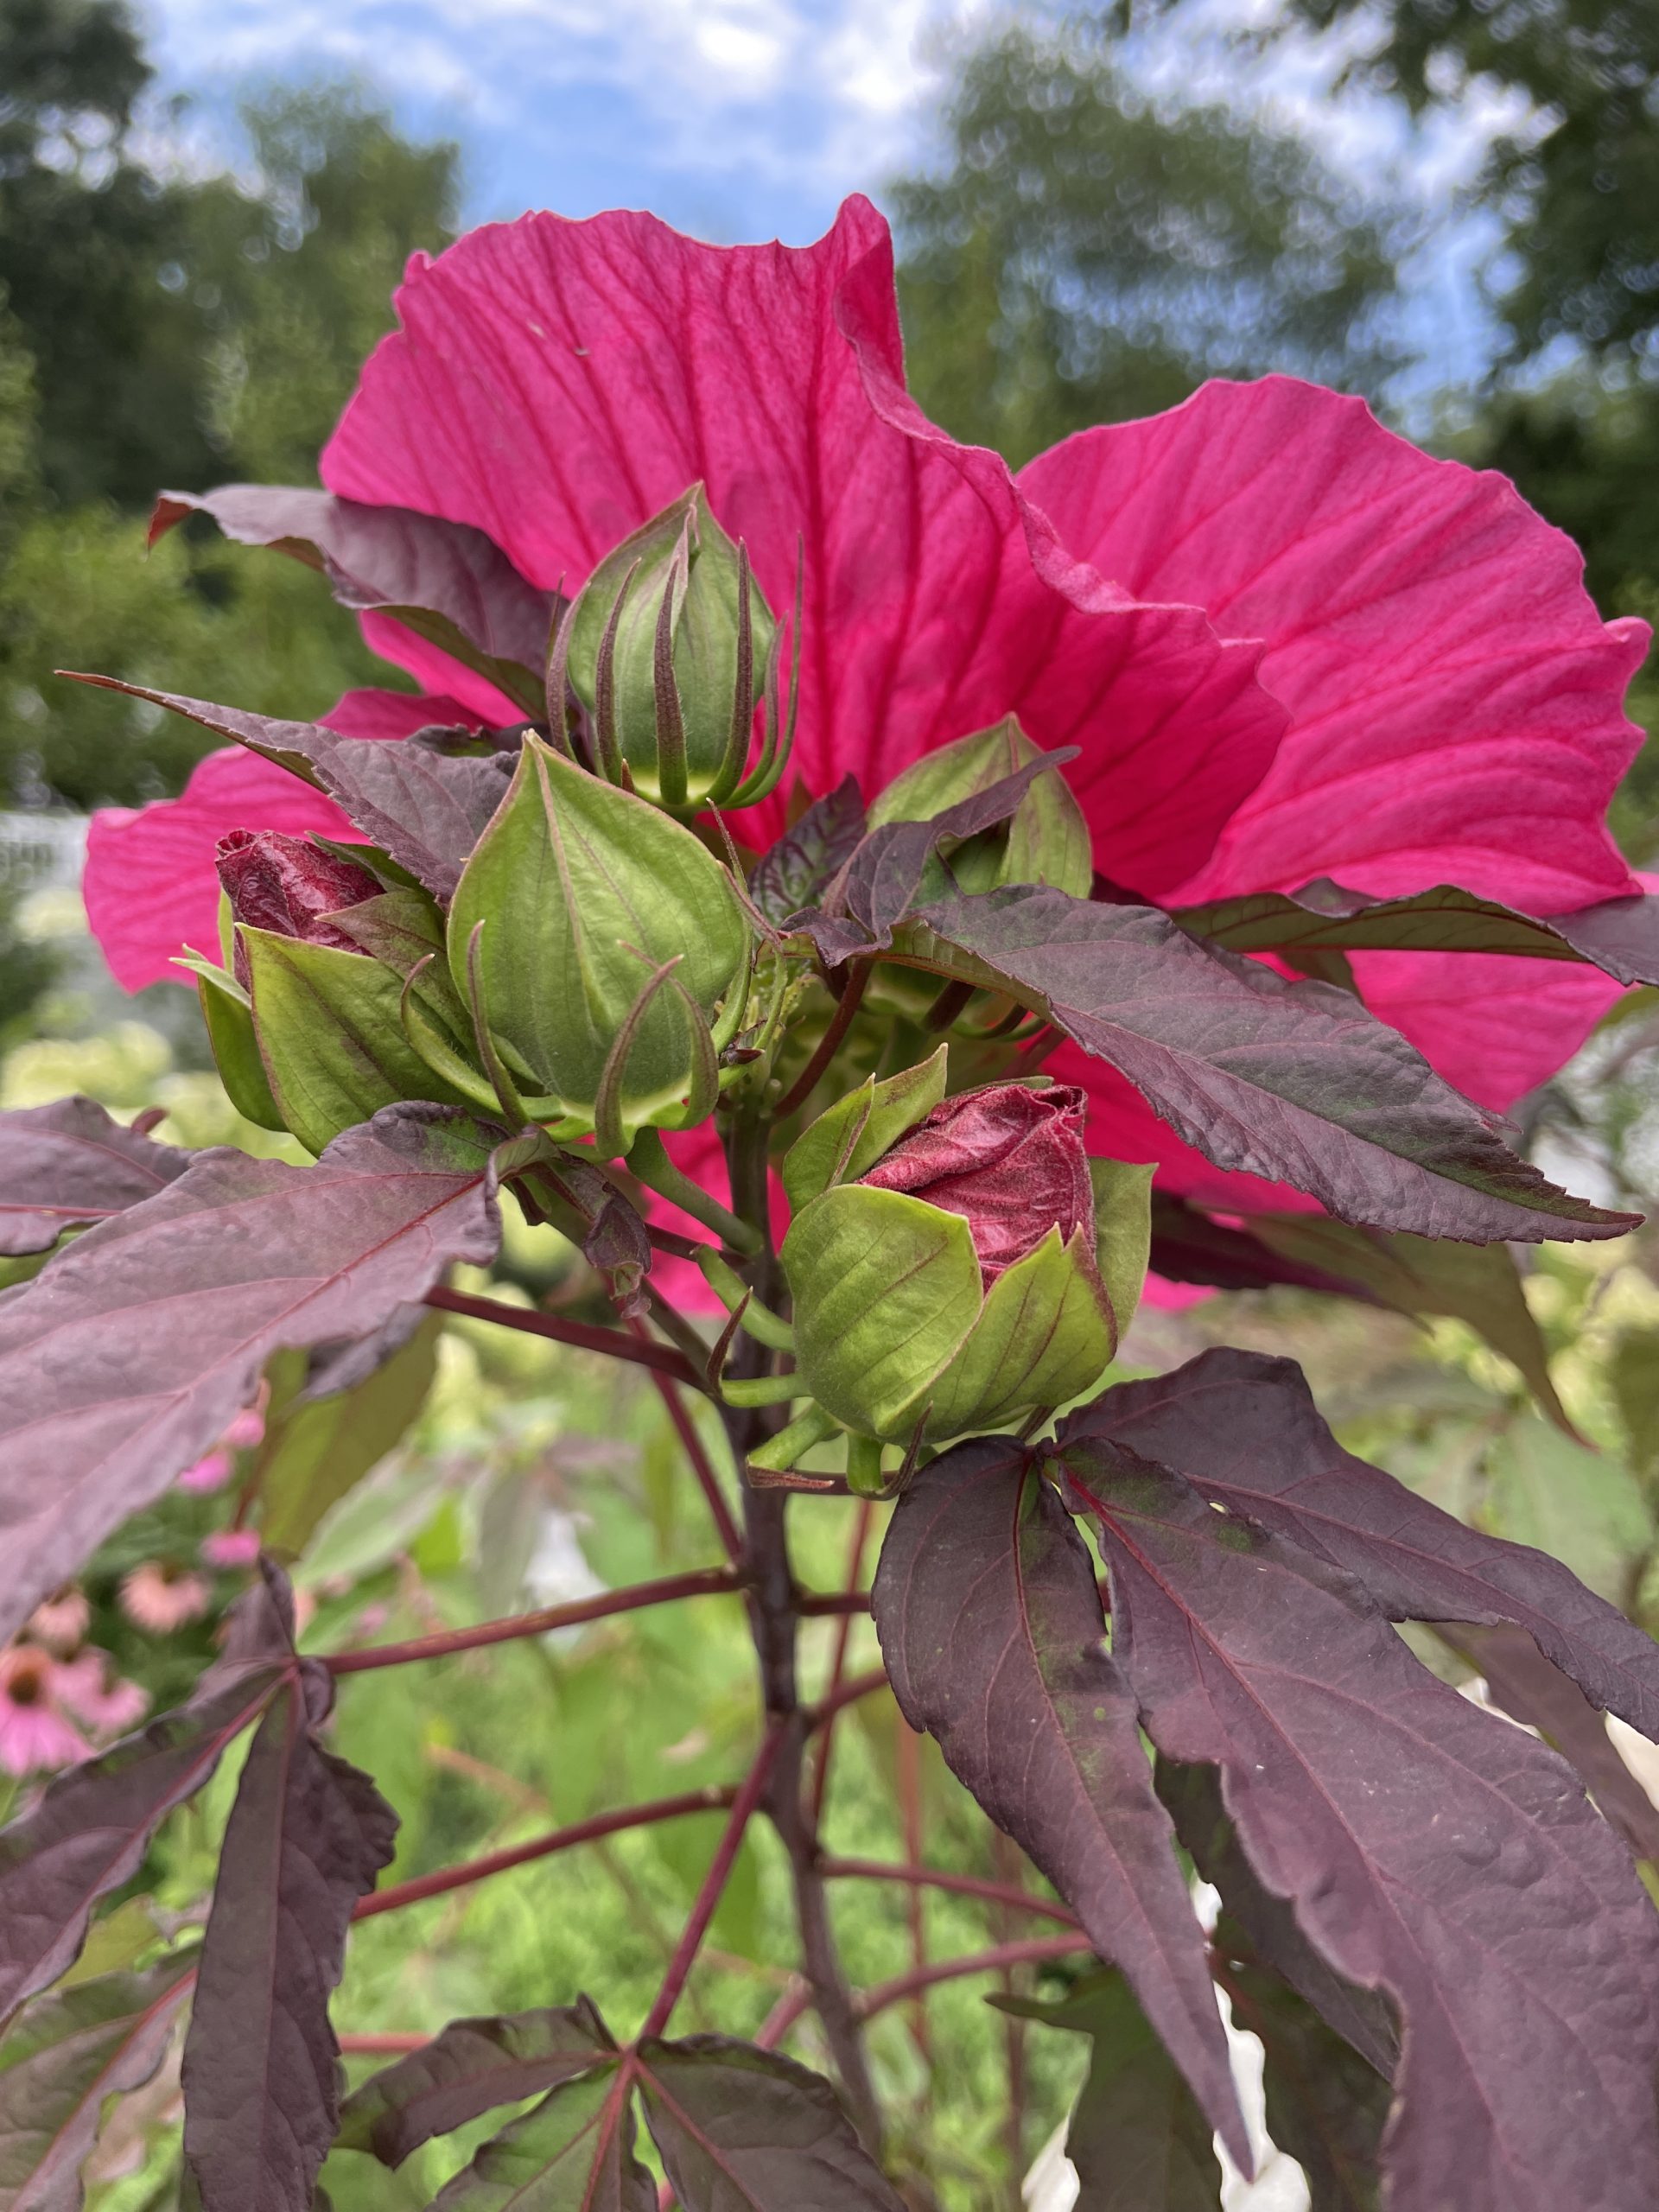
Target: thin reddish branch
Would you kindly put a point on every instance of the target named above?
(699, 1582)
(714, 1882)
(709, 1800)
(587, 1336)
(383, 2046)
(811, 1603)
(1033, 1950)
(702, 1466)
(934, 1878)
(847, 1692)
(840, 1021)
(854, 1599)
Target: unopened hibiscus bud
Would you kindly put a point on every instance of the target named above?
(944, 1272)
(288, 885)
(670, 647)
(604, 953)
(1045, 841)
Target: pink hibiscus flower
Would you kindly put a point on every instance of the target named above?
(1288, 644)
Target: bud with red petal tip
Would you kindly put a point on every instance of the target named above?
(945, 1257)
(287, 884)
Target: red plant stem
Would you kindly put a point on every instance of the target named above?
(934, 1878)
(710, 1800)
(847, 1692)
(1031, 1951)
(714, 1882)
(907, 1748)
(840, 1021)
(708, 1481)
(382, 2046)
(585, 1335)
(699, 1582)
(855, 1599)
(811, 1602)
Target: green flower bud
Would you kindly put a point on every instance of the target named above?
(603, 953)
(943, 1257)
(670, 648)
(1046, 840)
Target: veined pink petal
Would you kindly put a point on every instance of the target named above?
(1495, 1027)
(1455, 700)
(556, 382)
(150, 886)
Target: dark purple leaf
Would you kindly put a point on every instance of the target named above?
(1138, 2139)
(572, 2152)
(1325, 2106)
(1431, 1850)
(467, 2068)
(122, 1362)
(61, 2057)
(795, 872)
(425, 808)
(1293, 1081)
(1619, 935)
(1187, 1246)
(742, 2130)
(1360, 2017)
(68, 1163)
(306, 1838)
(87, 1833)
(1244, 1429)
(991, 1627)
(1533, 1691)
(1479, 1284)
(445, 580)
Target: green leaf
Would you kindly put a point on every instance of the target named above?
(848, 1139)
(1123, 1233)
(1479, 1284)
(1583, 1507)
(323, 1447)
(229, 1015)
(1633, 1372)
(583, 891)
(572, 2152)
(60, 2058)
(1137, 2138)
(331, 1030)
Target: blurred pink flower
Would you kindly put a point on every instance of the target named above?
(95, 1694)
(211, 1472)
(245, 1431)
(34, 1734)
(231, 1548)
(160, 1597)
(61, 1621)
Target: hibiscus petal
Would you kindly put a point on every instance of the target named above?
(1494, 1027)
(558, 383)
(471, 697)
(150, 885)
(1455, 698)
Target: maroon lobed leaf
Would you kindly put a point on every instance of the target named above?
(795, 872)
(1244, 1430)
(1138, 2139)
(1187, 1246)
(1620, 936)
(121, 1362)
(572, 2152)
(61, 2057)
(1432, 1851)
(68, 1163)
(1539, 1695)
(1293, 1081)
(742, 2130)
(88, 1831)
(306, 1838)
(469, 2067)
(990, 1622)
(413, 566)
(424, 808)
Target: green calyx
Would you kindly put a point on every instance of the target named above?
(670, 648)
(897, 1337)
(851, 1135)
(602, 954)
(1046, 840)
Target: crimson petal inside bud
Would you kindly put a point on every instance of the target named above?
(286, 885)
(1008, 1159)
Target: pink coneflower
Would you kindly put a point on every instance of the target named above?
(211, 1472)
(161, 1596)
(231, 1548)
(34, 1734)
(245, 1431)
(61, 1621)
(107, 1705)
